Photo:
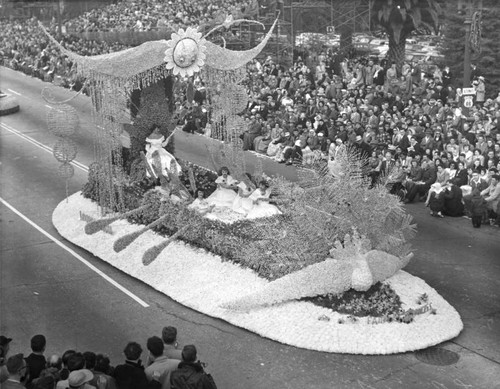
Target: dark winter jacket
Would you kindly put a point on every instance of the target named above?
(453, 205)
(131, 375)
(429, 176)
(190, 376)
(477, 205)
(462, 177)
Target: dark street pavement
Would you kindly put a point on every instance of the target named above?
(45, 289)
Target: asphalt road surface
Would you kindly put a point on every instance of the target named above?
(49, 286)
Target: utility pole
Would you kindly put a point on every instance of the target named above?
(467, 62)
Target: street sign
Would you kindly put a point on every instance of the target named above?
(468, 91)
(468, 101)
(467, 98)
(330, 29)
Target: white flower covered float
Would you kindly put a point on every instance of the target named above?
(186, 52)
(222, 288)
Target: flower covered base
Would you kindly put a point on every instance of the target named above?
(202, 281)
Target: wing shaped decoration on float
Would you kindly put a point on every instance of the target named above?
(185, 54)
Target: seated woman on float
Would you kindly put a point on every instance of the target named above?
(201, 204)
(242, 203)
(260, 199)
(225, 193)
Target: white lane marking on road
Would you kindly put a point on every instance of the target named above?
(48, 106)
(72, 252)
(13, 91)
(48, 149)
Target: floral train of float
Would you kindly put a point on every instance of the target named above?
(207, 282)
(315, 263)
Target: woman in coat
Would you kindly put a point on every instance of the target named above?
(462, 177)
(453, 204)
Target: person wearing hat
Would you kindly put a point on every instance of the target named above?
(323, 145)
(293, 154)
(18, 372)
(4, 351)
(190, 373)
(427, 141)
(79, 379)
(480, 88)
(362, 147)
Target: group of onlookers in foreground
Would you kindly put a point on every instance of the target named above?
(166, 366)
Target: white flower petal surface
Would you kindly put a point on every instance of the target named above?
(202, 281)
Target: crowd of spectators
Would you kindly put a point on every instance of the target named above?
(166, 365)
(408, 123)
(24, 47)
(411, 127)
(146, 15)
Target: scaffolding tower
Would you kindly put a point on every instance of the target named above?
(345, 17)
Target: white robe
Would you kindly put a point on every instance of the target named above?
(243, 204)
(165, 157)
(262, 208)
(223, 197)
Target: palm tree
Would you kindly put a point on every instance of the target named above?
(399, 18)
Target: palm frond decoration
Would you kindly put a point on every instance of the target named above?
(320, 208)
(123, 242)
(152, 253)
(98, 225)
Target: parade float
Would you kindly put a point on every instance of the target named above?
(319, 266)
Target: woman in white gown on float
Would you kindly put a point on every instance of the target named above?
(242, 203)
(260, 199)
(225, 193)
(201, 204)
(155, 143)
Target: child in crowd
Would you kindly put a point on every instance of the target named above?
(477, 207)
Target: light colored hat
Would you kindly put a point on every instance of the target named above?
(79, 377)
